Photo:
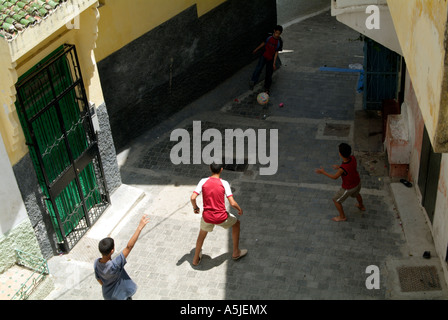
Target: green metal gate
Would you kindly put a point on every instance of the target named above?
(55, 117)
(382, 71)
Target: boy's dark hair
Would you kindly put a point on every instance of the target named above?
(278, 28)
(106, 246)
(216, 168)
(345, 150)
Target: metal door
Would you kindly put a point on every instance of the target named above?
(55, 117)
(381, 74)
(428, 178)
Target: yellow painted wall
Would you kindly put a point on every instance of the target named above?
(83, 39)
(122, 21)
(9, 126)
(421, 27)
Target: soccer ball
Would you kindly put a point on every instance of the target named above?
(263, 98)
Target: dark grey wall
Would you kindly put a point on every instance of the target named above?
(107, 151)
(169, 67)
(33, 198)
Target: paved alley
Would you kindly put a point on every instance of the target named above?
(296, 252)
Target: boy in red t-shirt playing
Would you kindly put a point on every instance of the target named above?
(271, 47)
(351, 182)
(214, 191)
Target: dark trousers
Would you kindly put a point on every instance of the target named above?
(269, 72)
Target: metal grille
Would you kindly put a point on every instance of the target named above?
(23, 278)
(234, 166)
(337, 130)
(423, 278)
(55, 116)
(158, 156)
(382, 67)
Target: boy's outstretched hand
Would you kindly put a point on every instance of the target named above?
(143, 222)
(320, 170)
(334, 176)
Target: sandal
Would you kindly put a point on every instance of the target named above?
(242, 254)
(406, 183)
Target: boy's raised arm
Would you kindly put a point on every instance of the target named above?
(143, 221)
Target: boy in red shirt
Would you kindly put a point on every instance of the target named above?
(271, 46)
(214, 191)
(351, 182)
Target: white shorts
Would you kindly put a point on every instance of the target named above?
(230, 221)
(343, 194)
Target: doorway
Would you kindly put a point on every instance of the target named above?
(55, 116)
(428, 178)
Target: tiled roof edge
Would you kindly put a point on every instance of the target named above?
(16, 16)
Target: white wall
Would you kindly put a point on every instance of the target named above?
(353, 14)
(12, 208)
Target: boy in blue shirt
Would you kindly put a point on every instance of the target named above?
(110, 273)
